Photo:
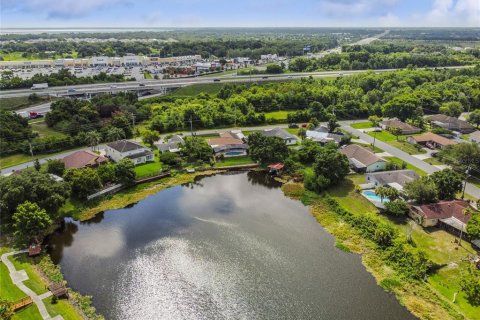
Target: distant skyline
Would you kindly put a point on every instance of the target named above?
(246, 13)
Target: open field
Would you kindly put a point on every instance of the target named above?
(409, 166)
(193, 90)
(43, 130)
(397, 142)
(362, 125)
(277, 115)
(15, 103)
(148, 169)
(234, 161)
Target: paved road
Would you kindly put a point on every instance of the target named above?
(428, 168)
(180, 82)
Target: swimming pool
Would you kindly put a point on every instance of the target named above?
(372, 196)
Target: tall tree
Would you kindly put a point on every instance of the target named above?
(267, 149)
(83, 181)
(150, 136)
(125, 172)
(448, 183)
(422, 190)
(30, 221)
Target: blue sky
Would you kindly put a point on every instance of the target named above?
(243, 13)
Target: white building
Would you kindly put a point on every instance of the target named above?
(121, 149)
(99, 61)
(134, 60)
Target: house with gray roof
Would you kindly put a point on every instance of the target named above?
(402, 127)
(363, 160)
(170, 145)
(122, 149)
(450, 123)
(396, 179)
(289, 138)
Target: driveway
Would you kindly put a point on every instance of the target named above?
(422, 165)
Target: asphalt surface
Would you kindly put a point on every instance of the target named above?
(422, 165)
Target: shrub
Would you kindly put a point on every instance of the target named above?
(396, 208)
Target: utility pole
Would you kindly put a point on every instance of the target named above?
(191, 126)
(31, 150)
(465, 182)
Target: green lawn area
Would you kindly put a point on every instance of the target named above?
(148, 169)
(234, 161)
(15, 103)
(43, 130)
(277, 115)
(409, 166)
(147, 75)
(8, 290)
(369, 147)
(475, 181)
(34, 282)
(399, 143)
(15, 159)
(293, 131)
(63, 308)
(348, 198)
(194, 89)
(362, 125)
(433, 161)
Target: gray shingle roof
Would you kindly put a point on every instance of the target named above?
(125, 145)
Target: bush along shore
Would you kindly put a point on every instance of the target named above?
(393, 259)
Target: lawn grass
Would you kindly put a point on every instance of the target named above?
(34, 282)
(362, 125)
(369, 147)
(15, 103)
(277, 115)
(147, 75)
(63, 308)
(409, 166)
(8, 290)
(293, 131)
(433, 161)
(29, 313)
(195, 89)
(44, 131)
(148, 169)
(234, 161)
(397, 142)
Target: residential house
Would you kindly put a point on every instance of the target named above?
(475, 137)
(229, 144)
(121, 149)
(82, 159)
(323, 137)
(450, 123)
(289, 138)
(396, 179)
(430, 140)
(170, 145)
(402, 127)
(363, 160)
(448, 214)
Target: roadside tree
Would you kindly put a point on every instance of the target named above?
(448, 183)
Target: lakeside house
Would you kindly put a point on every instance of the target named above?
(322, 137)
(402, 127)
(396, 178)
(450, 215)
(289, 138)
(430, 140)
(122, 149)
(82, 159)
(475, 137)
(363, 160)
(170, 145)
(450, 123)
(229, 144)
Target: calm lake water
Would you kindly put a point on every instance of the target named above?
(226, 247)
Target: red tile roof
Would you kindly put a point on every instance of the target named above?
(83, 158)
(224, 141)
(429, 136)
(445, 209)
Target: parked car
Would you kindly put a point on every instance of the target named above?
(216, 80)
(293, 125)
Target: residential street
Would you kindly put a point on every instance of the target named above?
(428, 168)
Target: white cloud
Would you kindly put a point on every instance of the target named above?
(449, 13)
(62, 9)
(389, 20)
(355, 7)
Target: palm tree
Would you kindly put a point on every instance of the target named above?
(382, 192)
(93, 138)
(114, 134)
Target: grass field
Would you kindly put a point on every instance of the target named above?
(15, 103)
(234, 161)
(194, 89)
(433, 161)
(277, 115)
(34, 282)
(17, 56)
(43, 130)
(362, 125)
(399, 143)
(409, 166)
(148, 169)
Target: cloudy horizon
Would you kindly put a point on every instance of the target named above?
(250, 13)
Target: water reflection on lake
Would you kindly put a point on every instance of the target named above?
(226, 247)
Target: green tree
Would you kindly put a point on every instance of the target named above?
(56, 167)
(448, 183)
(421, 190)
(149, 136)
(403, 107)
(374, 120)
(196, 149)
(83, 181)
(382, 192)
(332, 123)
(473, 226)
(452, 109)
(267, 149)
(93, 139)
(302, 133)
(107, 173)
(274, 68)
(470, 284)
(114, 134)
(6, 309)
(474, 118)
(330, 167)
(170, 158)
(461, 156)
(30, 221)
(125, 172)
(36, 165)
(396, 208)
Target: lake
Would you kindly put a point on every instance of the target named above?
(229, 246)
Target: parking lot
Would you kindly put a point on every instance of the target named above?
(136, 72)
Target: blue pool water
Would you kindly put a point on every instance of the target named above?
(372, 196)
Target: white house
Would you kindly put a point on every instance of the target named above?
(363, 160)
(121, 149)
(289, 138)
